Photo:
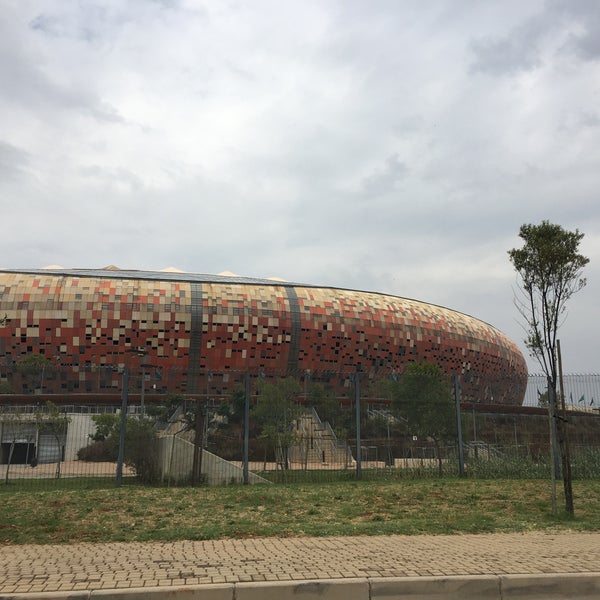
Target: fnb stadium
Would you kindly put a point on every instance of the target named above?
(194, 333)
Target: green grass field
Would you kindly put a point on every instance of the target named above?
(133, 513)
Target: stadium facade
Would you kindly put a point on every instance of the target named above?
(193, 326)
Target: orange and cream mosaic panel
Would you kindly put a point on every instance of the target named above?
(79, 320)
(374, 330)
(245, 325)
(201, 326)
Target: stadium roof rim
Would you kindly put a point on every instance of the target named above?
(207, 278)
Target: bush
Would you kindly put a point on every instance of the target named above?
(101, 451)
(585, 463)
(509, 465)
(141, 452)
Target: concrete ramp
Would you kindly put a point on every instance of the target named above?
(176, 458)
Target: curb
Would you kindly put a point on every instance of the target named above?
(583, 586)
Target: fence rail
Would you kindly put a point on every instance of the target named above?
(582, 391)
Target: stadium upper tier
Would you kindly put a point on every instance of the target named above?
(199, 324)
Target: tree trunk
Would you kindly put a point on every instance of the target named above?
(561, 427)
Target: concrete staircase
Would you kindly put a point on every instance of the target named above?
(316, 444)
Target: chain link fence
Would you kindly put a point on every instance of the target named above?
(105, 426)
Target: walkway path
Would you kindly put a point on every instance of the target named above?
(35, 570)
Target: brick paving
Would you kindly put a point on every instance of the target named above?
(95, 566)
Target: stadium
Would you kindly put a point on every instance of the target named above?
(196, 332)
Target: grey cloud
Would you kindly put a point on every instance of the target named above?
(588, 119)
(25, 84)
(117, 180)
(56, 26)
(103, 111)
(100, 22)
(574, 121)
(92, 22)
(168, 4)
(590, 45)
(517, 51)
(584, 17)
(13, 161)
(409, 125)
(586, 46)
(28, 87)
(384, 179)
(569, 25)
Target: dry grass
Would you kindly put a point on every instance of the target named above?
(369, 508)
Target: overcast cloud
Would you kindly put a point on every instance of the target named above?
(392, 146)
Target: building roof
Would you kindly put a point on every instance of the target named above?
(112, 272)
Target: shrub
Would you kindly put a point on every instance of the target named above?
(141, 451)
(100, 451)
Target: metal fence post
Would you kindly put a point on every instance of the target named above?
(246, 427)
(358, 440)
(123, 425)
(198, 442)
(461, 456)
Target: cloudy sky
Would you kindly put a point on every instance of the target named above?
(388, 145)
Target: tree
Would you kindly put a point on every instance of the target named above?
(327, 406)
(140, 451)
(550, 267)
(54, 422)
(423, 396)
(543, 399)
(227, 437)
(6, 388)
(276, 411)
(33, 368)
(233, 411)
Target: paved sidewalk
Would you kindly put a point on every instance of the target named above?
(88, 566)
